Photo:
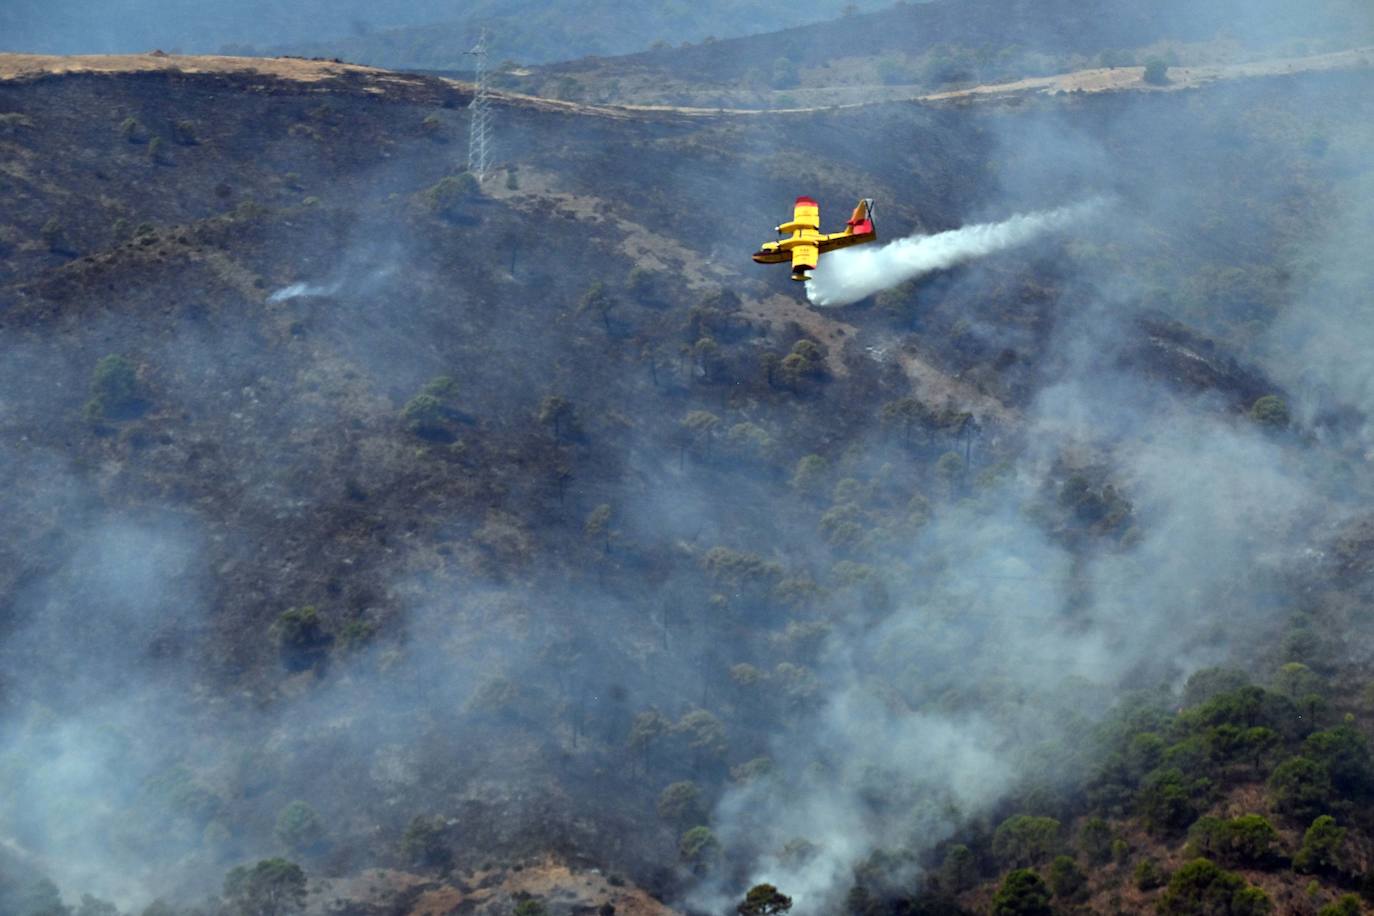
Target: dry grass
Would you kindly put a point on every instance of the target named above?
(487, 890)
(22, 66)
(1118, 79)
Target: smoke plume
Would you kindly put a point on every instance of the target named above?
(300, 290)
(850, 275)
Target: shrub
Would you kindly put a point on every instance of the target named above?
(1248, 841)
(755, 769)
(1023, 893)
(699, 847)
(807, 360)
(1321, 848)
(680, 803)
(1207, 683)
(1165, 801)
(704, 733)
(558, 412)
(115, 390)
(1245, 707)
(273, 887)
(1349, 905)
(355, 634)
(843, 526)
(1202, 887)
(1345, 754)
(1301, 788)
(1095, 841)
(764, 900)
(298, 827)
(431, 414)
(749, 440)
(810, 472)
(93, 906)
(1156, 72)
(1270, 411)
(598, 527)
(184, 797)
(1067, 880)
(1148, 875)
(185, 133)
(735, 568)
(1025, 840)
(301, 639)
(645, 287)
(449, 197)
(423, 843)
(959, 871)
(55, 237)
(424, 416)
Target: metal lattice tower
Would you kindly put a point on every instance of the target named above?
(479, 111)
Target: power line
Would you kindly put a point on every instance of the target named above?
(479, 112)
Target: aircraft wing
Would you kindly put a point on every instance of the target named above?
(806, 214)
(804, 258)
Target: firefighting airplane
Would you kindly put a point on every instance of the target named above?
(806, 244)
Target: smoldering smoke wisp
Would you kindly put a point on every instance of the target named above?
(303, 290)
(850, 275)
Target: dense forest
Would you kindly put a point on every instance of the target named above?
(382, 540)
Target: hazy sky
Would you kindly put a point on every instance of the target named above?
(76, 26)
(94, 26)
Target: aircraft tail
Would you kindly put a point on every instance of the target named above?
(861, 223)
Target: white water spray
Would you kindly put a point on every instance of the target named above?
(853, 273)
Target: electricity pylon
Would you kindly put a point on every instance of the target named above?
(479, 114)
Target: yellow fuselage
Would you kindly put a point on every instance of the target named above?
(804, 243)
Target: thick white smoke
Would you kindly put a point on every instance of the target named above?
(850, 275)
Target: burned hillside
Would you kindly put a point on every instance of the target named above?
(369, 516)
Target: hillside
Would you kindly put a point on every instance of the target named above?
(953, 44)
(524, 547)
(532, 32)
(415, 34)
